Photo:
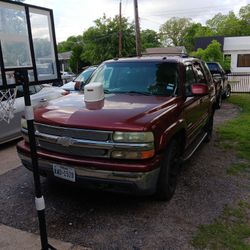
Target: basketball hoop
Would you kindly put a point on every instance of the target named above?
(7, 101)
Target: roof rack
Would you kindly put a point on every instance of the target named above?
(165, 54)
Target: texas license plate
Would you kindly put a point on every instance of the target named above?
(63, 172)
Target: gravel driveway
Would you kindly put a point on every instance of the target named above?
(107, 221)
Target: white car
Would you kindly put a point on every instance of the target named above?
(76, 84)
(67, 76)
(39, 94)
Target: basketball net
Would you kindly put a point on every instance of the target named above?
(7, 101)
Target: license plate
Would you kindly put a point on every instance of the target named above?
(63, 172)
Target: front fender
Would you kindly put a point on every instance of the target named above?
(174, 129)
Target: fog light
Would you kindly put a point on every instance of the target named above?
(133, 155)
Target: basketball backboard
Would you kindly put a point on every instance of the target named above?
(27, 40)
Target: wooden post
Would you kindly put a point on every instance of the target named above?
(137, 30)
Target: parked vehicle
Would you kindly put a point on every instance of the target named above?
(39, 94)
(138, 120)
(221, 80)
(82, 78)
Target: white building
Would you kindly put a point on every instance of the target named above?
(238, 48)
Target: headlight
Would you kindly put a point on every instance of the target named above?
(24, 123)
(133, 137)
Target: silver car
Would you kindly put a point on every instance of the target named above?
(39, 94)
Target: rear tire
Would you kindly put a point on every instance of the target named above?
(169, 170)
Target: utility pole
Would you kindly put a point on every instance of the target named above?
(137, 30)
(120, 29)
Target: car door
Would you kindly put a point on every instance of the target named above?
(195, 107)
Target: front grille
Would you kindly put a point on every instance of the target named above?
(73, 151)
(81, 142)
(74, 132)
(79, 134)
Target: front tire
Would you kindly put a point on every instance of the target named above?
(227, 93)
(209, 128)
(169, 170)
(218, 101)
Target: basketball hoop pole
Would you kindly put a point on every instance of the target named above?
(21, 76)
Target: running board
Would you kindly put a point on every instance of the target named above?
(193, 147)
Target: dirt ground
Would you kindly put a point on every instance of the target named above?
(108, 221)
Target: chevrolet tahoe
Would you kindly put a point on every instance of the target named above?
(153, 114)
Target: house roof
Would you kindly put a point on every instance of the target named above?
(203, 42)
(237, 43)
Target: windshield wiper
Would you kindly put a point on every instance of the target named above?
(138, 92)
(106, 91)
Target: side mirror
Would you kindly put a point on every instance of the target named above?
(200, 89)
(77, 85)
(228, 71)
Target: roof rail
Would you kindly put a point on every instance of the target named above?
(165, 54)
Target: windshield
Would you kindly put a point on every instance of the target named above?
(152, 78)
(84, 76)
(214, 67)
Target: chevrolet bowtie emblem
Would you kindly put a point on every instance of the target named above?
(65, 141)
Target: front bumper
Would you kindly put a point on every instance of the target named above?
(136, 182)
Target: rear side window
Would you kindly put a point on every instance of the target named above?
(190, 79)
(207, 72)
(199, 73)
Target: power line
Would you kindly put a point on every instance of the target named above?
(190, 10)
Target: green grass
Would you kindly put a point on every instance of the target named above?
(230, 231)
(235, 134)
(237, 168)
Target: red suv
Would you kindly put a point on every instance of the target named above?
(156, 112)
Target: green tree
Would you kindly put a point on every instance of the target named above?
(74, 44)
(101, 40)
(69, 44)
(244, 14)
(150, 39)
(212, 53)
(173, 31)
(226, 25)
(192, 32)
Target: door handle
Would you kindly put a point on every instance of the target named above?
(43, 100)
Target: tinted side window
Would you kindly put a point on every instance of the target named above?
(38, 88)
(20, 91)
(207, 72)
(199, 73)
(190, 80)
(32, 90)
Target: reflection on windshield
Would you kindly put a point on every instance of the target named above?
(147, 78)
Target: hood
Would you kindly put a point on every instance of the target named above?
(119, 111)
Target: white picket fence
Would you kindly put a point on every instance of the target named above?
(239, 82)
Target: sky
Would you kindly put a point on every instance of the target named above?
(73, 17)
